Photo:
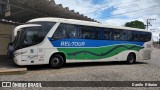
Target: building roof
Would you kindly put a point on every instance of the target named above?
(24, 10)
(81, 22)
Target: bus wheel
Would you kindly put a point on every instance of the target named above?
(56, 61)
(131, 59)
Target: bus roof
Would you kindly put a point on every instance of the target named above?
(81, 22)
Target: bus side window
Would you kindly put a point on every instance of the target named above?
(148, 36)
(142, 38)
(66, 31)
(87, 32)
(120, 34)
(116, 34)
(71, 31)
(130, 36)
(136, 36)
(145, 36)
(60, 32)
(123, 35)
(107, 34)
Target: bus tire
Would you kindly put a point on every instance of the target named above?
(56, 61)
(131, 59)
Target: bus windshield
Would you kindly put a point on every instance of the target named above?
(32, 35)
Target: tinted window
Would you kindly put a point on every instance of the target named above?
(45, 27)
(119, 35)
(107, 34)
(124, 35)
(87, 32)
(136, 36)
(130, 36)
(32, 35)
(142, 38)
(145, 36)
(148, 36)
(66, 31)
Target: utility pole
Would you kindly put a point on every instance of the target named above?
(149, 23)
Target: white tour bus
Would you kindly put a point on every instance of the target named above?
(56, 41)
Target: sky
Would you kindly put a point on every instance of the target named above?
(117, 12)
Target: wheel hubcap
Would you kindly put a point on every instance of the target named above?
(55, 61)
(131, 59)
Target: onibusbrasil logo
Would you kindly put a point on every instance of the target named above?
(20, 84)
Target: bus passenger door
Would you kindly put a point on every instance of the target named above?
(36, 55)
(33, 55)
(41, 55)
(29, 56)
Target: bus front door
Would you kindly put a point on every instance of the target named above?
(35, 56)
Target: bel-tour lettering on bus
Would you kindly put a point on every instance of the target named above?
(74, 44)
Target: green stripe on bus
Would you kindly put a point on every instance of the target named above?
(97, 53)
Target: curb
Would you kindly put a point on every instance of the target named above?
(13, 71)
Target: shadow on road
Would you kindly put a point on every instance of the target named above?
(78, 65)
(72, 65)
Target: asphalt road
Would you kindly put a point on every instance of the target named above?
(148, 70)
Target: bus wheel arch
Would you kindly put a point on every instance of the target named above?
(57, 60)
(131, 58)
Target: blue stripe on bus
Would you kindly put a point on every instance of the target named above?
(89, 43)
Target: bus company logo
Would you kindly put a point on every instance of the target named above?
(6, 84)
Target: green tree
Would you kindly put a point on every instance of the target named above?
(135, 24)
